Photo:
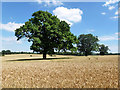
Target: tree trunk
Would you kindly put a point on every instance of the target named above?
(44, 55)
(86, 53)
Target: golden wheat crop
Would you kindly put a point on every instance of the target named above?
(23, 71)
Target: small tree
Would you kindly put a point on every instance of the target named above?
(3, 52)
(87, 43)
(46, 32)
(8, 52)
(103, 49)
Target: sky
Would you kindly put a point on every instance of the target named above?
(98, 18)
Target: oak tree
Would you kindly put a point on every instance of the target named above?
(47, 33)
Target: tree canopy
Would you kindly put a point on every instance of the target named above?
(5, 52)
(47, 33)
(103, 49)
(87, 43)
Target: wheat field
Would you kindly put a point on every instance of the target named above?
(60, 71)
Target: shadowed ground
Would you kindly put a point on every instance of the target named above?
(33, 59)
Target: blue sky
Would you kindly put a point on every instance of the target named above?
(98, 18)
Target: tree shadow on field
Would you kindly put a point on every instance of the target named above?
(40, 59)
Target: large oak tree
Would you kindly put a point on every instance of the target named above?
(47, 33)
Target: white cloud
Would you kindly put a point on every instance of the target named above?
(103, 13)
(11, 40)
(39, 1)
(109, 37)
(116, 13)
(109, 2)
(112, 4)
(10, 26)
(118, 33)
(67, 21)
(69, 15)
(50, 2)
(57, 2)
(106, 38)
(115, 17)
(111, 7)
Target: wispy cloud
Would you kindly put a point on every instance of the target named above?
(118, 33)
(109, 37)
(50, 2)
(103, 13)
(116, 13)
(111, 7)
(10, 26)
(71, 16)
(11, 40)
(111, 4)
(114, 17)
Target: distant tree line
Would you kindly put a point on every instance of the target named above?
(8, 52)
(78, 54)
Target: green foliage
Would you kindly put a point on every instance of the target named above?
(87, 43)
(47, 33)
(5, 52)
(103, 49)
(73, 50)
